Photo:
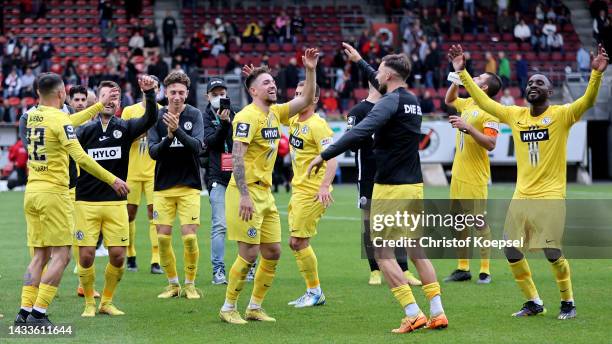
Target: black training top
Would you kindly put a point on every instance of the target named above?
(364, 157)
(177, 160)
(110, 147)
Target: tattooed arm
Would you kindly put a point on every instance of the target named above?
(246, 204)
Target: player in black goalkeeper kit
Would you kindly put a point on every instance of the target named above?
(395, 122)
(107, 139)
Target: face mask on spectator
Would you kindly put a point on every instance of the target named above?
(215, 102)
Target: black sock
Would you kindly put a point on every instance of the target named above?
(38, 315)
(373, 265)
(23, 313)
(403, 264)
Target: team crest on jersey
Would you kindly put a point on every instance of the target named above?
(242, 130)
(188, 125)
(350, 121)
(252, 232)
(69, 130)
(474, 113)
(546, 120)
(117, 134)
(305, 129)
(79, 235)
(155, 214)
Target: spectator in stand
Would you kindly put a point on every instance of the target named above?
(70, 76)
(522, 71)
(406, 21)
(46, 53)
(606, 34)
(456, 23)
(18, 155)
(432, 66)
(109, 35)
(502, 6)
(427, 21)
(270, 33)
(133, 8)
(291, 73)
(468, 62)
(34, 60)
(371, 48)
(106, 13)
(507, 99)
(158, 67)
(557, 43)
(218, 47)
(564, 16)
(504, 71)
(151, 43)
(169, 30)
(480, 23)
(83, 75)
(298, 25)
(27, 83)
(422, 48)
(491, 66)
(136, 41)
(598, 26)
(11, 42)
(231, 34)
(522, 32)
(583, 59)
(112, 60)
(345, 91)
(15, 60)
(97, 77)
(538, 39)
(12, 84)
(417, 73)
(234, 65)
(427, 104)
(252, 33)
(468, 7)
(539, 12)
(330, 103)
(127, 98)
(551, 15)
(549, 29)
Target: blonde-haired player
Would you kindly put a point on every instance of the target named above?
(309, 136)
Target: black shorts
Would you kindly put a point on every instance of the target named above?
(365, 193)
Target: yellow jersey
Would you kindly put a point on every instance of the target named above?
(471, 162)
(540, 142)
(141, 167)
(262, 132)
(308, 139)
(51, 137)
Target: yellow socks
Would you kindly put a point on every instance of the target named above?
(131, 250)
(167, 258)
(307, 263)
(28, 297)
(236, 279)
(154, 243)
(112, 276)
(463, 264)
(45, 296)
(403, 294)
(561, 270)
(522, 276)
(87, 278)
(191, 253)
(432, 292)
(263, 280)
(485, 252)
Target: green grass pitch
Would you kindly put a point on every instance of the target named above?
(355, 312)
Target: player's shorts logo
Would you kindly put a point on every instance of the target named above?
(155, 214)
(117, 134)
(242, 130)
(79, 235)
(252, 232)
(188, 125)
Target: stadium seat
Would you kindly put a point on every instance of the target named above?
(360, 93)
(14, 101)
(209, 63)
(29, 101)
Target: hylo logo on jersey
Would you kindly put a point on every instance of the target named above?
(252, 232)
(412, 109)
(270, 133)
(117, 134)
(296, 142)
(546, 120)
(534, 135)
(188, 125)
(242, 130)
(69, 130)
(110, 153)
(305, 129)
(79, 235)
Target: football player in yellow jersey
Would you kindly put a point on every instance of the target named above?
(47, 204)
(140, 179)
(476, 134)
(251, 215)
(309, 136)
(537, 211)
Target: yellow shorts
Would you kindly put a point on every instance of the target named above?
(539, 222)
(184, 200)
(467, 198)
(93, 217)
(49, 218)
(304, 214)
(387, 200)
(137, 187)
(265, 225)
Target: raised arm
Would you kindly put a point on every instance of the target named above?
(297, 104)
(581, 105)
(480, 97)
(139, 126)
(81, 117)
(451, 94)
(354, 56)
